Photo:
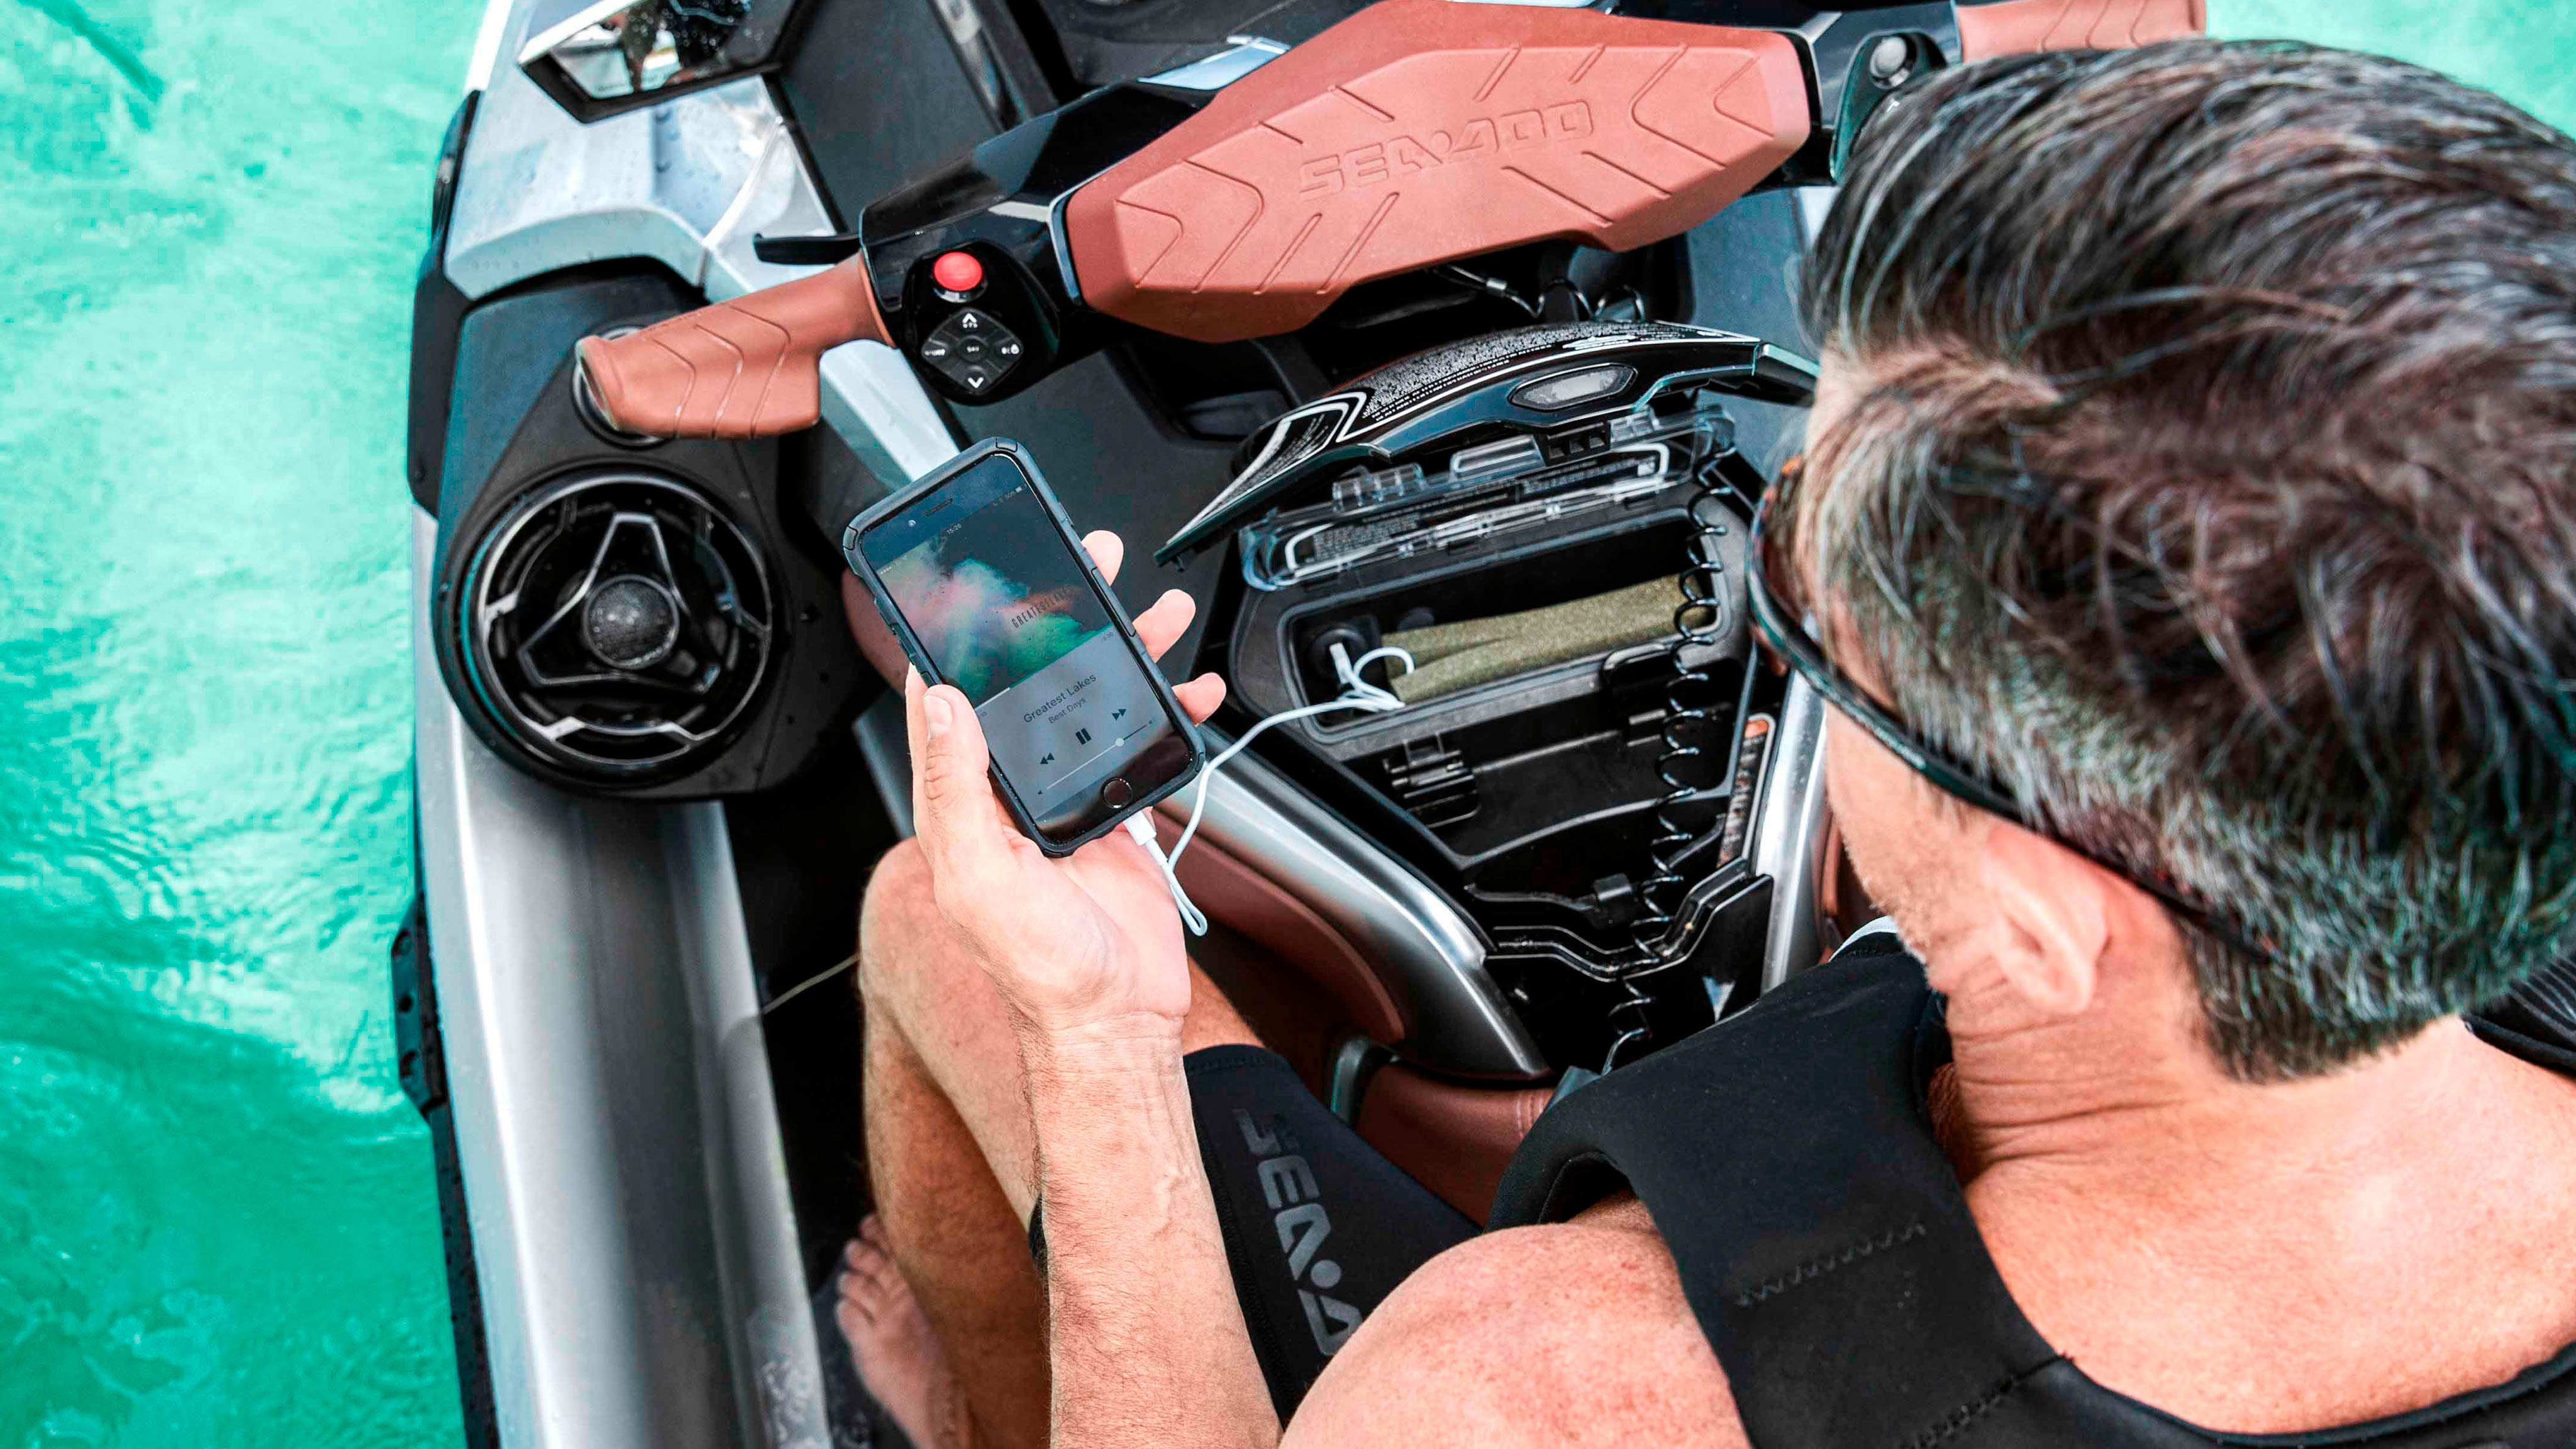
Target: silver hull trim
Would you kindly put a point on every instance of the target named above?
(625, 1183)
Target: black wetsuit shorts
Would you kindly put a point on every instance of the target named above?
(1319, 1226)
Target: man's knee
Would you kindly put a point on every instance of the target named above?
(912, 975)
(916, 979)
(899, 923)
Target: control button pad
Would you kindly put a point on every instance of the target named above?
(971, 349)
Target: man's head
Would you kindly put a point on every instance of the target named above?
(2197, 462)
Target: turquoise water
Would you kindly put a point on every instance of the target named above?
(216, 1218)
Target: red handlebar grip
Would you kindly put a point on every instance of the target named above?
(2016, 27)
(748, 368)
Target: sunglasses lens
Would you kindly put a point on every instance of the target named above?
(1767, 555)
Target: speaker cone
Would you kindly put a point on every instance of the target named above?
(617, 626)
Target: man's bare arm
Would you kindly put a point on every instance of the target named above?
(1145, 1339)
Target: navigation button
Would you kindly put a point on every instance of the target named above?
(971, 349)
(1117, 793)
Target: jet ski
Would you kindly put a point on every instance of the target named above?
(1464, 327)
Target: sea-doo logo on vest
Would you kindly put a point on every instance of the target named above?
(1366, 166)
(1288, 1185)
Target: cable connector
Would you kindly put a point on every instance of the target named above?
(1140, 829)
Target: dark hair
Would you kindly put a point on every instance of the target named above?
(2212, 486)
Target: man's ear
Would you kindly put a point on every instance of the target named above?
(2055, 918)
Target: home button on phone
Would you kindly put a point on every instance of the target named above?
(1116, 794)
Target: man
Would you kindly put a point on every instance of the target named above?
(2192, 497)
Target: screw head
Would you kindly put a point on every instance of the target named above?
(1890, 59)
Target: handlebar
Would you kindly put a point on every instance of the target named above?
(748, 368)
(1411, 133)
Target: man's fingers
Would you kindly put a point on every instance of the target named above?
(1162, 626)
(1107, 552)
(1200, 697)
(960, 824)
(876, 642)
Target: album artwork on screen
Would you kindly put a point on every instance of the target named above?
(1003, 610)
(994, 599)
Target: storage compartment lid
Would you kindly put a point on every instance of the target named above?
(1533, 376)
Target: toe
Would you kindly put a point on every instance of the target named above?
(885, 1283)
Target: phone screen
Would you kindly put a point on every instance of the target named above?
(992, 592)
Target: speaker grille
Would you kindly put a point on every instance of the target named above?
(617, 626)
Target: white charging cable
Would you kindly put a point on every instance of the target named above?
(1357, 693)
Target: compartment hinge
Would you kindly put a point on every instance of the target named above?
(1433, 781)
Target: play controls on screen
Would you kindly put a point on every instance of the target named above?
(1058, 731)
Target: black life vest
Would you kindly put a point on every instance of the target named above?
(1824, 1241)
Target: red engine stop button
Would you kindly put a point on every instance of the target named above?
(957, 272)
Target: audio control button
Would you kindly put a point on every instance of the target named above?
(971, 349)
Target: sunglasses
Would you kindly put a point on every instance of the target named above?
(1790, 642)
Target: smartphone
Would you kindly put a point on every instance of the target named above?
(988, 588)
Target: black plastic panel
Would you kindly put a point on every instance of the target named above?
(507, 351)
(1104, 44)
(1744, 277)
(802, 855)
(1023, 288)
(878, 93)
(437, 311)
(420, 1047)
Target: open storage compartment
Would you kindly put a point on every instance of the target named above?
(1559, 541)
(1535, 793)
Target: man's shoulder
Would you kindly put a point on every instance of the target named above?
(1567, 1334)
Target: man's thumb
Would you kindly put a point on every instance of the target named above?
(951, 797)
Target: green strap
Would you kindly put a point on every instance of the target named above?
(1450, 657)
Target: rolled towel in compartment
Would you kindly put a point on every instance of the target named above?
(1450, 657)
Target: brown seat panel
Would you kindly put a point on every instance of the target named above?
(1259, 909)
(1454, 1138)
(1419, 131)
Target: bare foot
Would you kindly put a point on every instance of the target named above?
(892, 1346)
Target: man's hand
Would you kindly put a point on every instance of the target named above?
(1145, 1342)
(1086, 945)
